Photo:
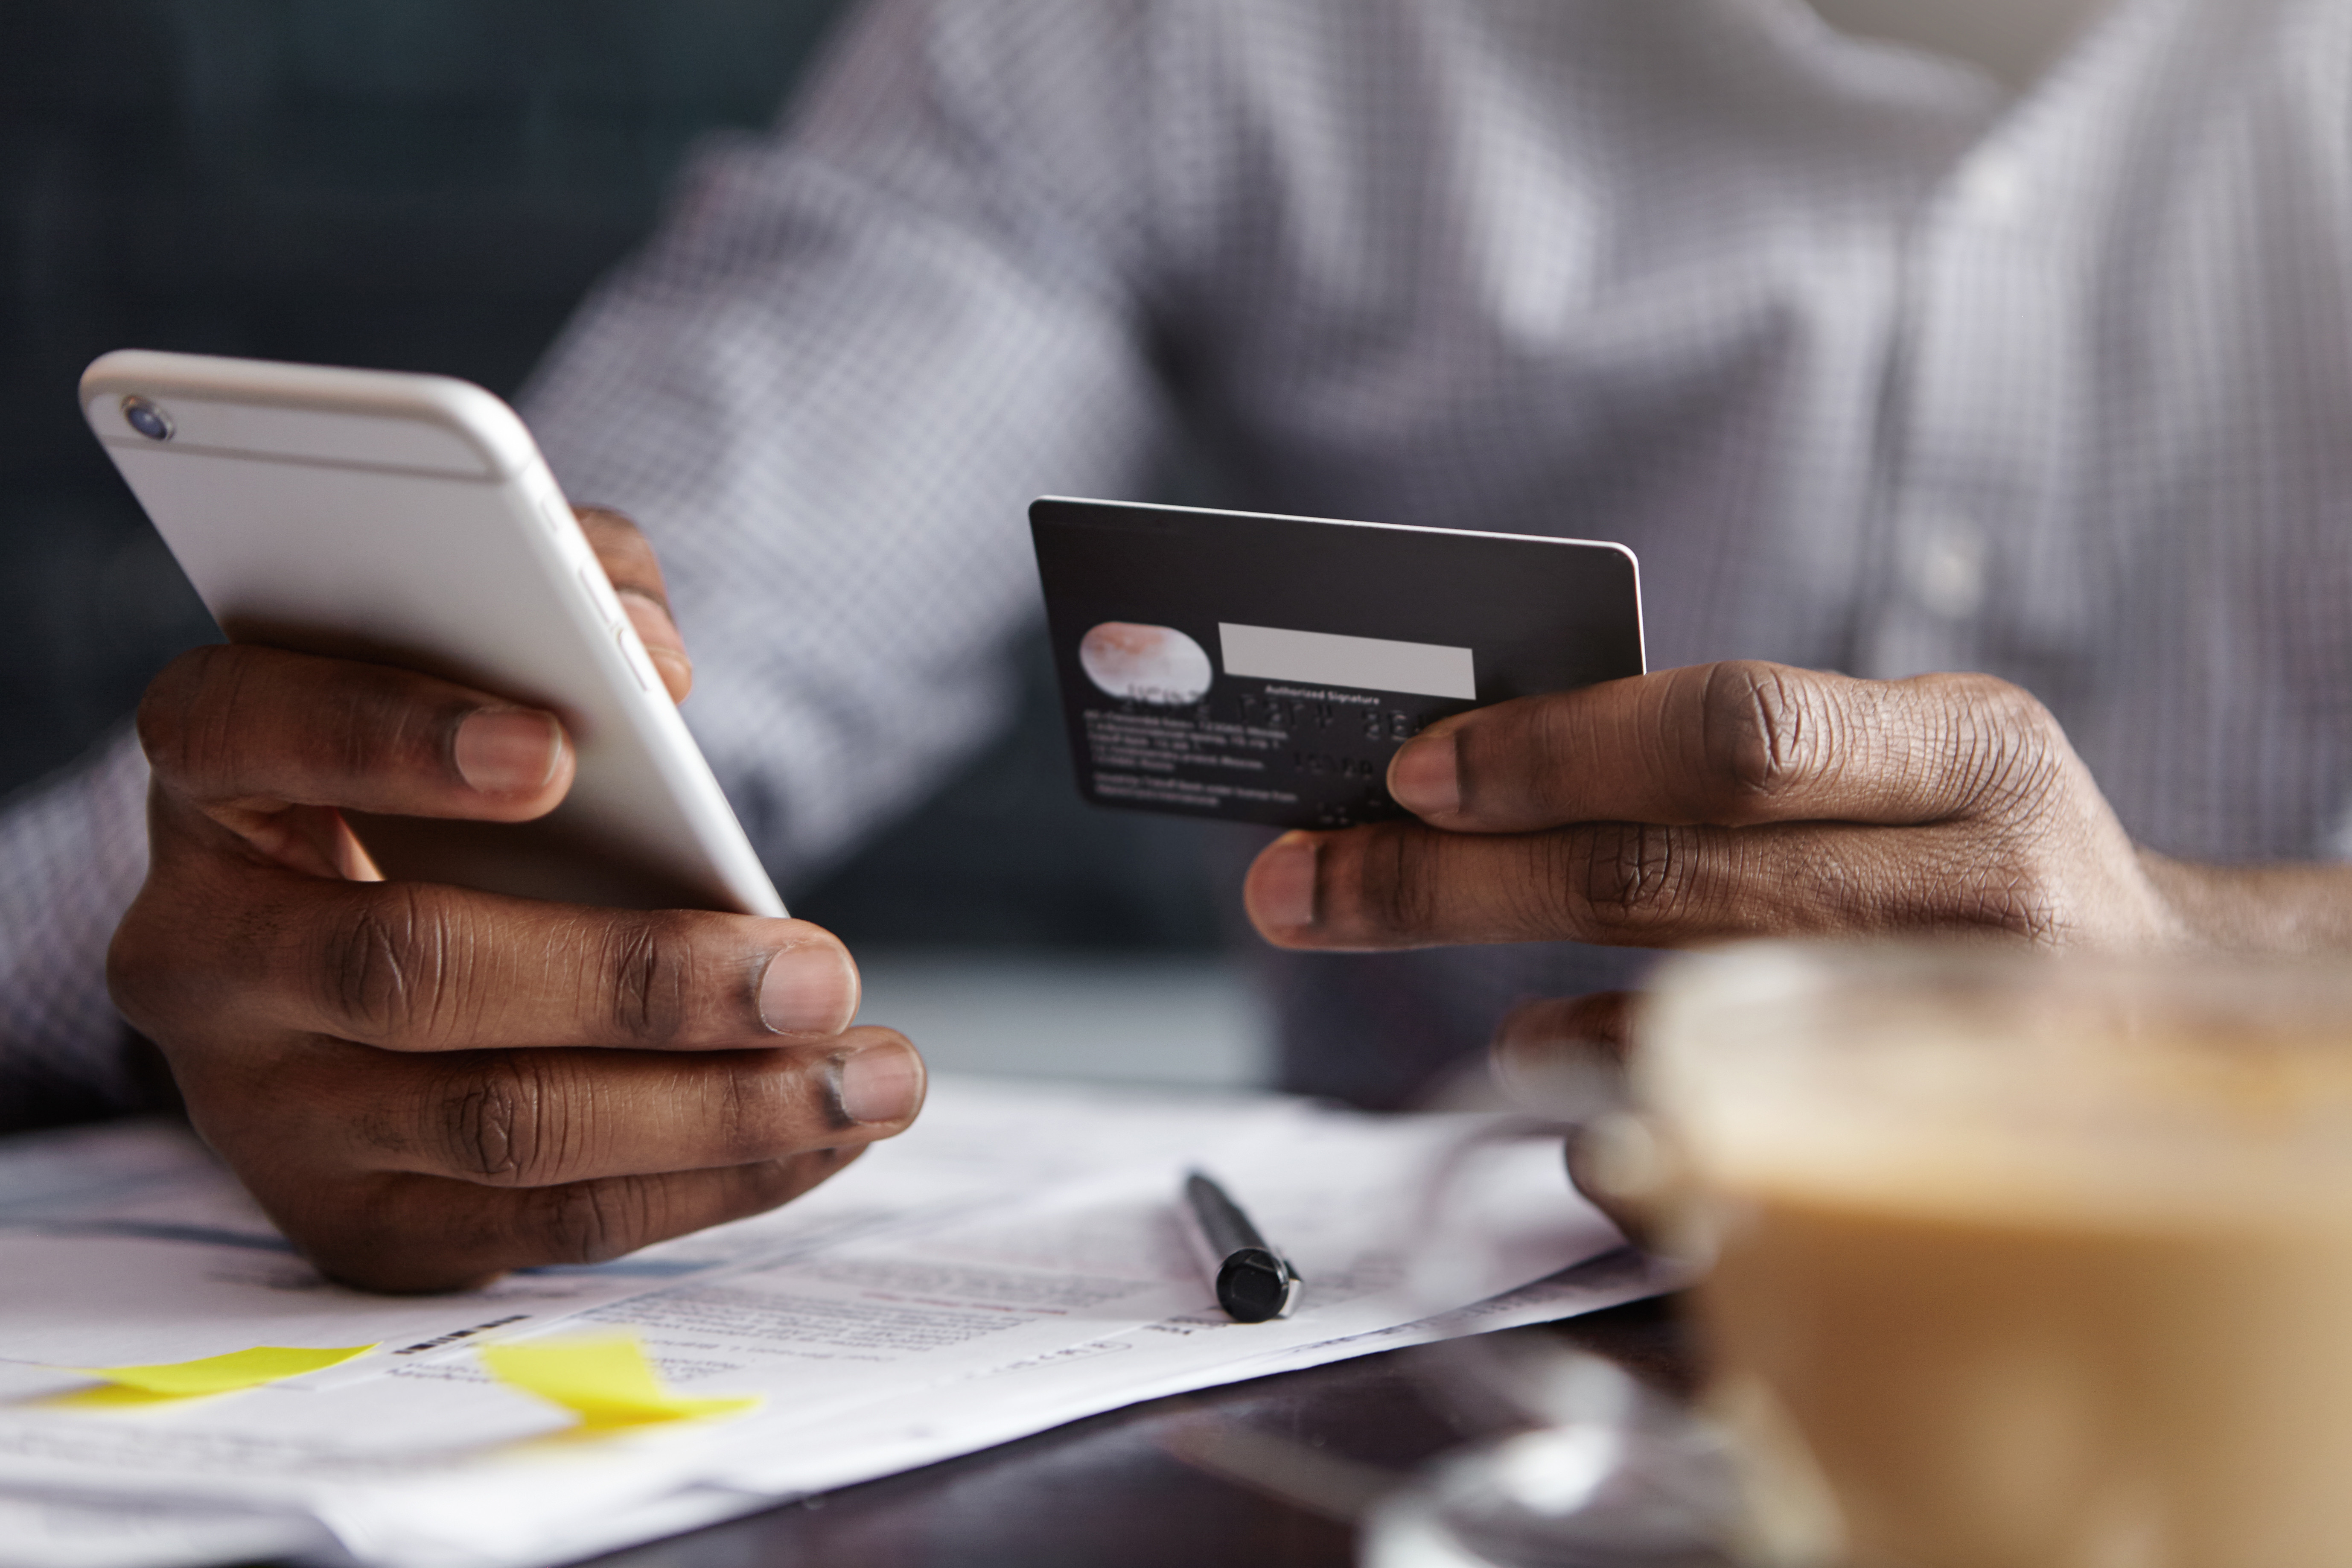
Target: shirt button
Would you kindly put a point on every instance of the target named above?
(1949, 572)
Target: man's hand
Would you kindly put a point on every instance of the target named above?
(1724, 801)
(426, 1085)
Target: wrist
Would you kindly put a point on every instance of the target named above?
(2283, 909)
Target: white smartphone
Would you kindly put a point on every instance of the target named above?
(409, 520)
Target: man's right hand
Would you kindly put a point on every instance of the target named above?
(427, 1086)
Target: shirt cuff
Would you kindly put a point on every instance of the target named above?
(73, 852)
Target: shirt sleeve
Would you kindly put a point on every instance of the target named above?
(73, 851)
(831, 385)
(828, 389)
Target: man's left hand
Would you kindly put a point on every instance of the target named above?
(1729, 800)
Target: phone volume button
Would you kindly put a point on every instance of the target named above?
(633, 656)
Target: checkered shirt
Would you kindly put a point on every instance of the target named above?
(1878, 366)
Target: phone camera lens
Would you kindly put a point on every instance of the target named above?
(146, 419)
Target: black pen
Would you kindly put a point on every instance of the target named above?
(1253, 1281)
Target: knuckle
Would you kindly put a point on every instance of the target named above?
(739, 1109)
(1394, 890)
(1532, 756)
(500, 1118)
(755, 1099)
(594, 1222)
(2014, 749)
(388, 965)
(1629, 879)
(649, 978)
(1759, 728)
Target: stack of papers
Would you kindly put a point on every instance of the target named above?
(1012, 1264)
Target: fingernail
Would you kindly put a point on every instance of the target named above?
(1426, 777)
(881, 1083)
(1282, 890)
(507, 750)
(810, 989)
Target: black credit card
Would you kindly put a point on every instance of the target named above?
(1264, 669)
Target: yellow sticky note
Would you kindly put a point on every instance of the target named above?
(211, 1374)
(604, 1379)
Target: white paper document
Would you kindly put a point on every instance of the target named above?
(1011, 1264)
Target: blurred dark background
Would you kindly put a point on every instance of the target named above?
(425, 185)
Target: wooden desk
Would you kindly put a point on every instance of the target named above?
(1113, 1491)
